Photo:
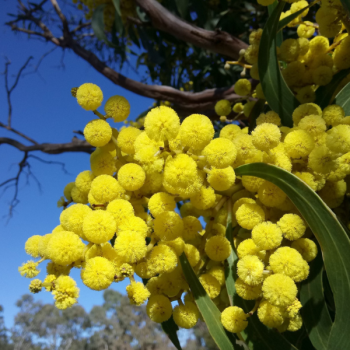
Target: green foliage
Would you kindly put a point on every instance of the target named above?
(343, 99)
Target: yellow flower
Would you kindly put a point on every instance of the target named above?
(137, 293)
(65, 293)
(218, 248)
(223, 108)
(99, 226)
(89, 96)
(234, 319)
(118, 108)
(29, 269)
(159, 308)
(186, 316)
(250, 270)
(98, 273)
(97, 132)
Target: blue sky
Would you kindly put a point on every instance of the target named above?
(43, 109)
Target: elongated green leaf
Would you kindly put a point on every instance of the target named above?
(182, 7)
(325, 93)
(343, 99)
(286, 20)
(98, 25)
(254, 114)
(279, 35)
(276, 91)
(314, 310)
(230, 281)
(116, 4)
(169, 327)
(334, 242)
(209, 311)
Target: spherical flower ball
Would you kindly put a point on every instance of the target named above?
(98, 273)
(230, 132)
(243, 87)
(97, 132)
(133, 223)
(99, 226)
(248, 247)
(338, 139)
(168, 226)
(221, 179)
(35, 286)
(162, 259)
(250, 270)
(247, 291)
(295, 323)
(288, 261)
(252, 183)
(83, 181)
(186, 316)
(89, 96)
(304, 110)
(266, 136)
(162, 123)
(333, 115)
(105, 188)
(159, 308)
(220, 153)
(196, 131)
(118, 108)
(223, 108)
(102, 162)
(120, 209)
(298, 144)
(192, 254)
(65, 247)
(306, 247)
(137, 293)
(322, 75)
(192, 227)
(270, 315)
(72, 218)
(313, 124)
(65, 292)
(126, 139)
(267, 235)
(218, 248)
(177, 245)
(78, 196)
(42, 245)
(250, 214)
(32, 246)
(270, 117)
(204, 199)
(271, 195)
(210, 285)
(130, 246)
(292, 226)
(29, 269)
(279, 290)
(131, 176)
(234, 319)
(161, 202)
(219, 273)
(67, 190)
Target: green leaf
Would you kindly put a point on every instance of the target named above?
(279, 35)
(325, 93)
(286, 20)
(116, 4)
(170, 328)
(230, 280)
(182, 7)
(277, 93)
(330, 234)
(314, 310)
(209, 311)
(254, 114)
(343, 99)
(98, 25)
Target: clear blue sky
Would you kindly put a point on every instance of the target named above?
(43, 109)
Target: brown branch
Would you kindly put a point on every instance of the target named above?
(215, 41)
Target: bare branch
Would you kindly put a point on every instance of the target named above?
(61, 16)
(18, 133)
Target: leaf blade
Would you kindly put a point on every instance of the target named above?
(169, 327)
(343, 99)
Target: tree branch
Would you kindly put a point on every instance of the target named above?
(215, 41)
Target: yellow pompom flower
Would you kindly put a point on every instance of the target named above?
(252, 51)
(192, 227)
(250, 270)
(319, 44)
(78, 196)
(168, 226)
(161, 259)
(279, 290)
(219, 273)
(267, 235)
(248, 247)
(32, 246)
(230, 131)
(304, 110)
(223, 108)
(298, 144)
(313, 124)
(192, 254)
(97, 132)
(65, 292)
(247, 291)
(48, 282)
(237, 108)
(42, 245)
(333, 193)
(322, 75)
(118, 108)
(131, 176)
(204, 199)
(99, 226)
(271, 195)
(221, 179)
(292, 226)
(306, 247)
(65, 247)
(220, 153)
(35, 286)
(133, 223)
(333, 115)
(130, 246)
(270, 117)
(252, 183)
(338, 139)
(98, 273)
(243, 87)
(210, 285)
(102, 162)
(57, 270)
(72, 218)
(270, 315)
(161, 202)
(266, 136)
(89, 96)
(249, 214)
(83, 181)
(162, 123)
(289, 262)
(293, 309)
(29, 269)
(159, 308)
(137, 293)
(306, 30)
(305, 94)
(321, 160)
(196, 131)
(126, 139)
(234, 319)
(121, 210)
(177, 245)
(105, 188)
(218, 248)
(186, 316)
